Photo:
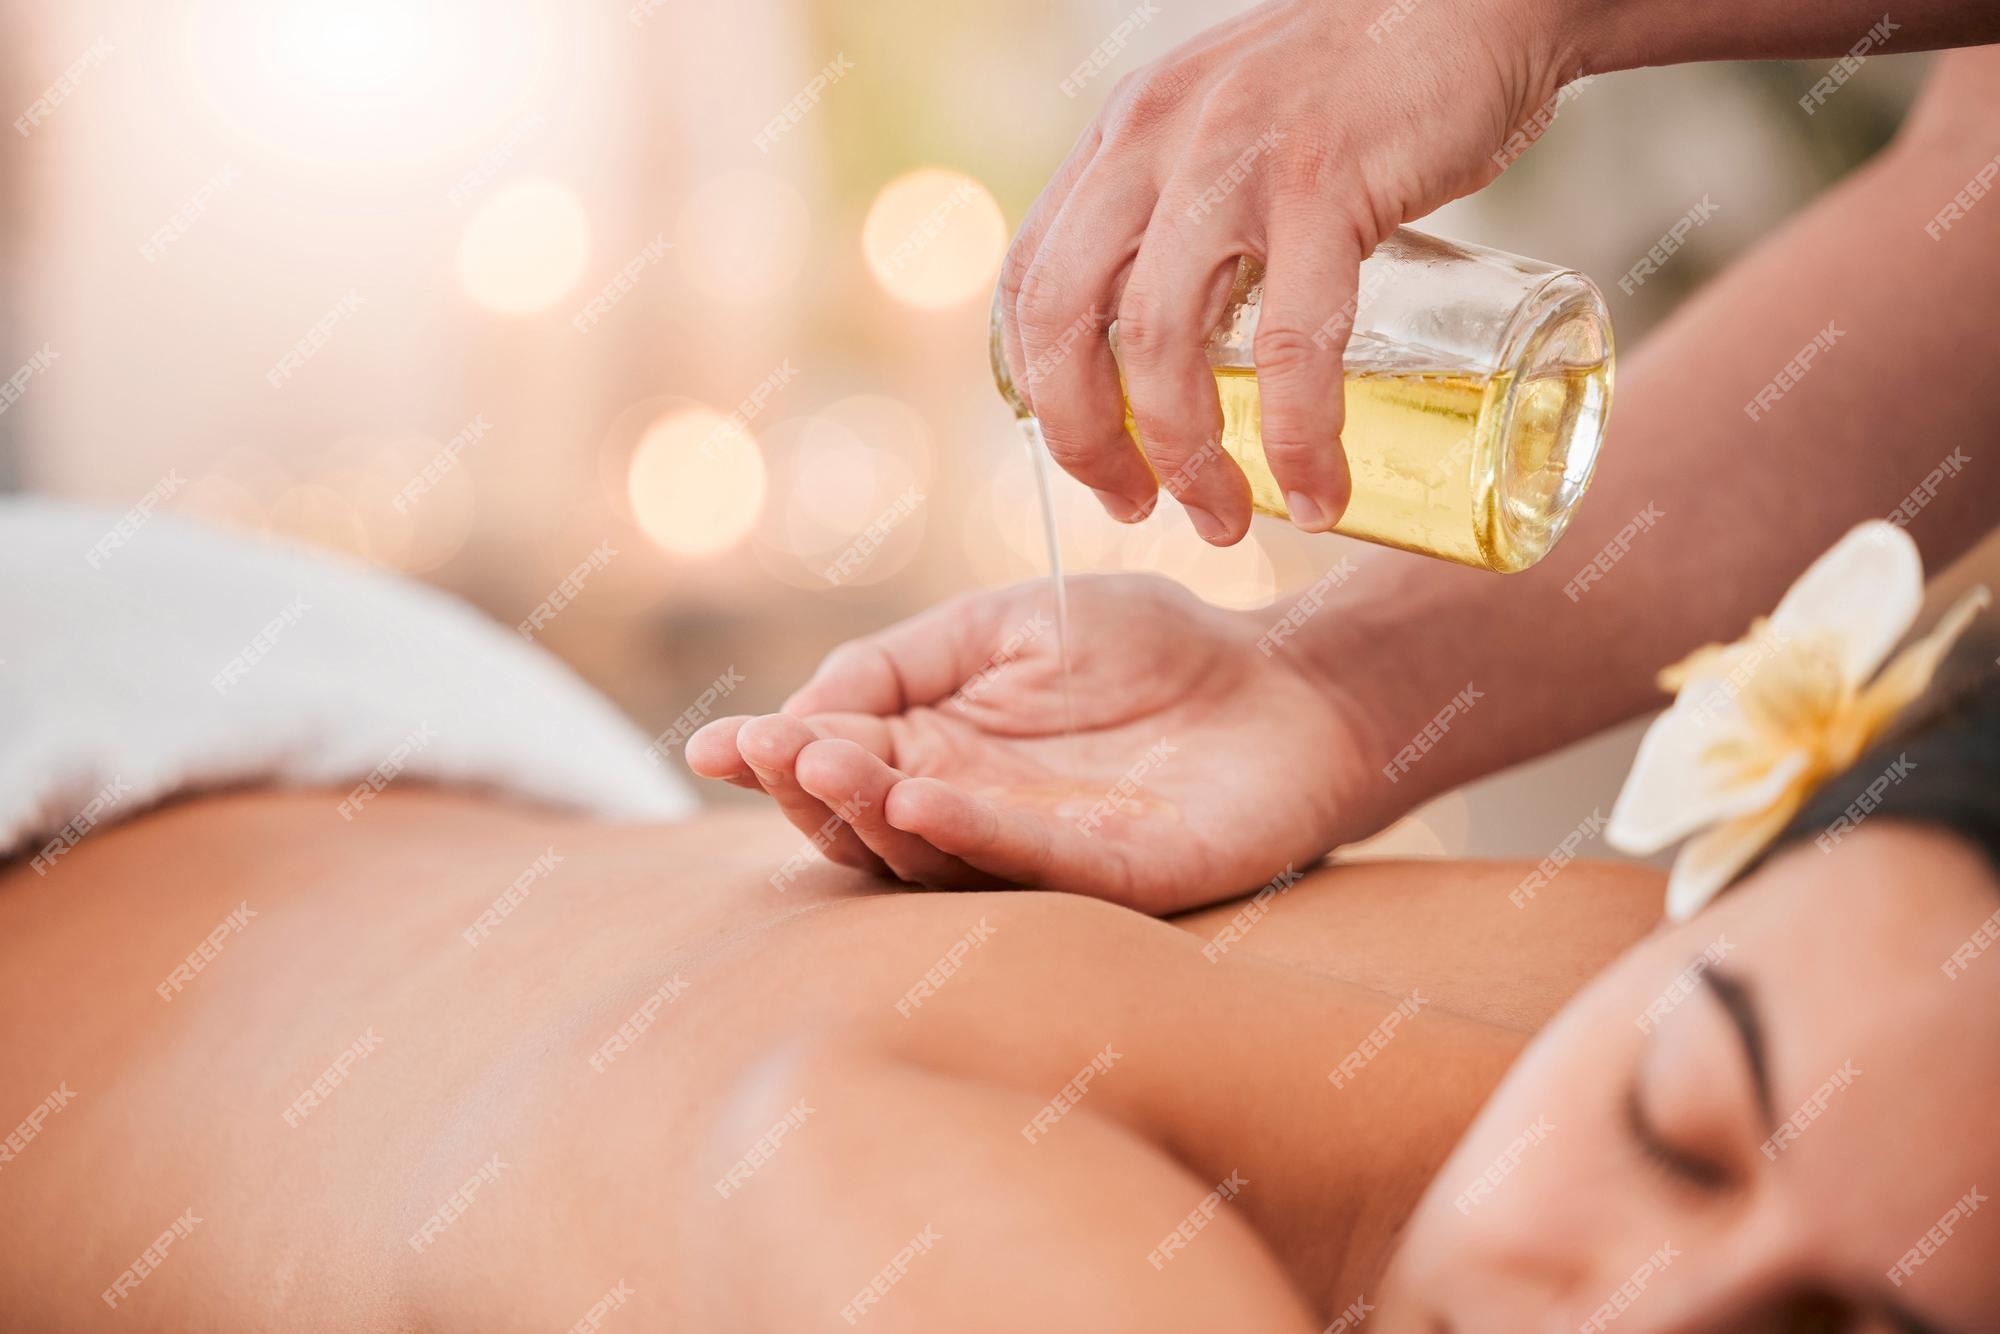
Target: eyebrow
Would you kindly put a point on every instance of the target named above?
(1733, 994)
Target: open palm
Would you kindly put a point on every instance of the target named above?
(1202, 764)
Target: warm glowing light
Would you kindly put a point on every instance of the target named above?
(374, 83)
(696, 482)
(743, 236)
(934, 238)
(525, 248)
(356, 43)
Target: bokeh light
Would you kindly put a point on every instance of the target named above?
(934, 238)
(887, 424)
(829, 487)
(525, 247)
(358, 43)
(380, 84)
(743, 236)
(696, 482)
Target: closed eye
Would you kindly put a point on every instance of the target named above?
(1688, 1169)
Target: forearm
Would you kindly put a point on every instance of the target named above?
(1608, 35)
(1707, 502)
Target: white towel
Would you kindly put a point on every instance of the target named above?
(182, 658)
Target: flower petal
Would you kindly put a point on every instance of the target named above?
(1709, 667)
(1675, 789)
(1708, 863)
(1863, 595)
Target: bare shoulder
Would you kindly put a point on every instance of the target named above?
(1505, 943)
(881, 1191)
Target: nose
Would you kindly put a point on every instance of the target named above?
(1736, 1283)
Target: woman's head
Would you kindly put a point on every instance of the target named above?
(1777, 1115)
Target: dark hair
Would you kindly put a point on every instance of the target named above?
(1942, 769)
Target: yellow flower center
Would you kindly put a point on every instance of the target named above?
(1792, 698)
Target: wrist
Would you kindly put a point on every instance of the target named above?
(1584, 38)
(1533, 50)
(1568, 39)
(1394, 651)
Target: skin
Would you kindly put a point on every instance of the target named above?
(1118, 231)
(951, 777)
(1841, 959)
(790, 995)
(789, 998)
(1378, 656)
(1381, 115)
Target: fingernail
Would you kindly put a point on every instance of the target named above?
(1306, 512)
(1212, 529)
(1122, 509)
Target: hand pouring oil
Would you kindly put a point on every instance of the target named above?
(1477, 389)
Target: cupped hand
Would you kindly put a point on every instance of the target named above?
(1300, 134)
(1201, 766)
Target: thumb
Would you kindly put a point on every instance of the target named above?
(916, 662)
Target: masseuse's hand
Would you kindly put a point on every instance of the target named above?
(1301, 132)
(935, 750)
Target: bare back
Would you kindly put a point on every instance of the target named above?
(457, 1056)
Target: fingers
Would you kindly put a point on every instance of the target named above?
(1019, 846)
(865, 730)
(1308, 309)
(1063, 313)
(831, 780)
(712, 752)
(1028, 243)
(850, 780)
(771, 745)
(715, 752)
(1177, 290)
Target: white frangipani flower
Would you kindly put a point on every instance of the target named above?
(1756, 725)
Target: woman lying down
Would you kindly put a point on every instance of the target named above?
(320, 1013)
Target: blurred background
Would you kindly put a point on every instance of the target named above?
(469, 289)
